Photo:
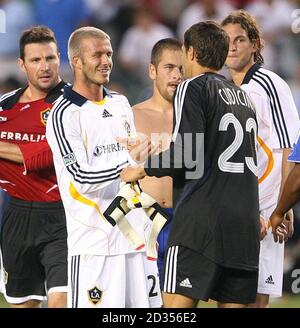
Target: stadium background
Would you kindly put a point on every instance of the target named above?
(134, 26)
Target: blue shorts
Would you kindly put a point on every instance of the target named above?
(4, 198)
(162, 240)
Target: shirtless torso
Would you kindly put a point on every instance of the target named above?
(157, 124)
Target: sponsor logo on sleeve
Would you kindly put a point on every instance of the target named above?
(69, 159)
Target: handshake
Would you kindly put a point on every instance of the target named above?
(131, 197)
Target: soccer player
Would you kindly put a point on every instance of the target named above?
(213, 246)
(278, 124)
(33, 235)
(104, 268)
(290, 194)
(154, 117)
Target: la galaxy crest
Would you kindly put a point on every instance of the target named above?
(95, 295)
(127, 127)
(44, 115)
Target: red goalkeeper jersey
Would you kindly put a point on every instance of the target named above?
(25, 124)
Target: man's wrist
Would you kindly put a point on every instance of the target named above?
(142, 172)
(279, 212)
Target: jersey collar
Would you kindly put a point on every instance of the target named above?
(55, 92)
(50, 98)
(254, 68)
(78, 99)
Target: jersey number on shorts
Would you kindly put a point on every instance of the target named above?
(224, 164)
(152, 292)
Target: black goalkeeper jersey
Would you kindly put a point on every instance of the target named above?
(216, 201)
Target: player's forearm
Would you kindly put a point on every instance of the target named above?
(286, 168)
(290, 192)
(167, 163)
(11, 152)
(36, 156)
(178, 159)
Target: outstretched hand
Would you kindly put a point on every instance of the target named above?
(289, 223)
(279, 229)
(139, 147)
(263, 228)
(132, 174)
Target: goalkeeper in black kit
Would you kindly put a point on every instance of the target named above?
(213, 247)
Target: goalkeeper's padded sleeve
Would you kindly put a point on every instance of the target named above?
(115, 215)
(159, 219)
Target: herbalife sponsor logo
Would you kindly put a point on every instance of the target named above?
(270, 281)
(107, 149)
(186, 283)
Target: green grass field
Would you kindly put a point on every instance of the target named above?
(3, 303)
(284, 302)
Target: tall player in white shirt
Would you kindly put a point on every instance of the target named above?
(82, 131)
(278, 124)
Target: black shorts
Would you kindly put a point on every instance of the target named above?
(34, 249)
(189, 273)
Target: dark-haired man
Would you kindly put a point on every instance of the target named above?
(213, 245)
(165, 70)
(278, 124)
(33, 236)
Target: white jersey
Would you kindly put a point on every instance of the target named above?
(278, 124)
(88, 159)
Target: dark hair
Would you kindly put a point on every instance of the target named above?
(210, 43)
(160, 46)
(36, 34)
(249, 24)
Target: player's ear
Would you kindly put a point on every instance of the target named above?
(256, 45)
(152, 72)
(21, 65)
(77, 62)
(191, 54)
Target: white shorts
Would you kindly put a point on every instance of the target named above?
(119, 281)
(271, 256)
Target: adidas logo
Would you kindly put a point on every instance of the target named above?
(106, 114)
(24, 107)
(186, 283)
(269, 280)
